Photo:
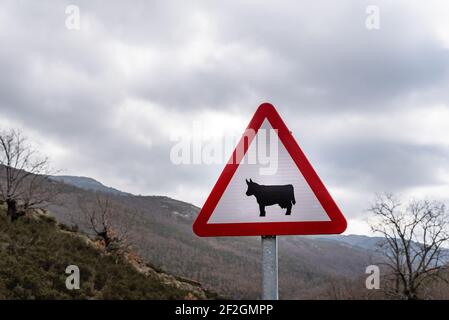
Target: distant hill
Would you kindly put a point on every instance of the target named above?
(162, 233)
(353, 240)
(160, 229)
(86, 183)
(35, 251)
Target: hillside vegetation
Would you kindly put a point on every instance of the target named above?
(35, 251)
(161, 232)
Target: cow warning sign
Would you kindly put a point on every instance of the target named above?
(268, 187)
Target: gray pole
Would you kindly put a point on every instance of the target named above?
(269, 268)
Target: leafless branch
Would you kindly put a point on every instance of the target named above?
(24, 175)
(414, 242)
(108, 219)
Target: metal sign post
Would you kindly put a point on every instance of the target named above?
(270, 268)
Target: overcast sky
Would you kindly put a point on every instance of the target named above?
(370, 108)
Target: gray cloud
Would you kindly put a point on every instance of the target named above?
(309, 59)
(383, 165)
(338, 67)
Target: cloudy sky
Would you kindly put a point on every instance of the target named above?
(370, 107)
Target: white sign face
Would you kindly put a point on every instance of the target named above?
(235, 206)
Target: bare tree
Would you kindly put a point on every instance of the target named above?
(109, 220)
(24, 182)
(413, 249)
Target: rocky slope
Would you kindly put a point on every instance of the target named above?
(35, 251)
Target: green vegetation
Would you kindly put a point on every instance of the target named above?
(35, 251)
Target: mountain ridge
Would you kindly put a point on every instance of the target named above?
(87, 183)
(91, 184)
(163, 235)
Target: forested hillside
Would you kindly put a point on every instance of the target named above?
(160, 229)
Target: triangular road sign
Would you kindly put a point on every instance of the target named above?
(268, 187)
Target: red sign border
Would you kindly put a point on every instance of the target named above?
(337, 223)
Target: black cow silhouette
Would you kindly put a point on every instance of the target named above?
(284, 196)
